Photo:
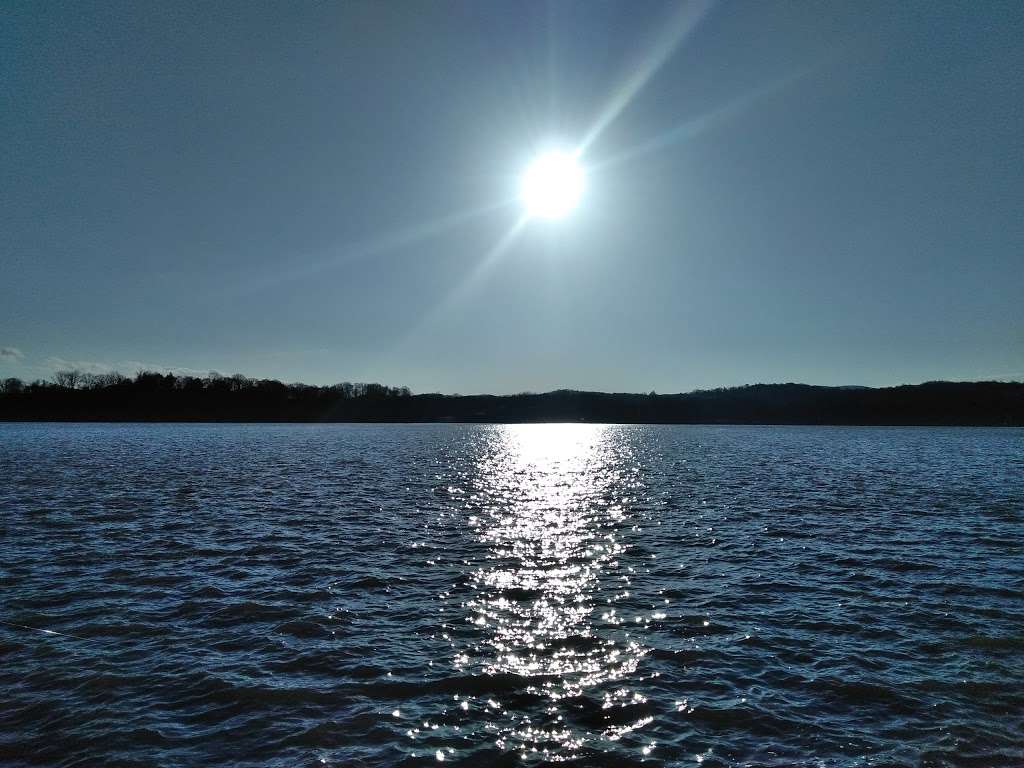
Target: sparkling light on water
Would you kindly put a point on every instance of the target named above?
(551, 499)
(387, 595)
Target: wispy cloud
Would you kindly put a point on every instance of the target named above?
(86, 366)
(10, 354)
(127, 367)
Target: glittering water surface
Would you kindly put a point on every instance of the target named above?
(511, 595)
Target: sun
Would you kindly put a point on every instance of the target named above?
(551, 185)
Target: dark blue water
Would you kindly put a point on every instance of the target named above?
(488, 595)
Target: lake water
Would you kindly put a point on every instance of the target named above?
(292, 595)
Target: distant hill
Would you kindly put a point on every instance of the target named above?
(74, 396)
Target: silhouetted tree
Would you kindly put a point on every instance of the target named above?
(68, 379)
(151, 395)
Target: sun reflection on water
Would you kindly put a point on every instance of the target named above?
(550, 501)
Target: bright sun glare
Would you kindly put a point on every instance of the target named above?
(551, 185)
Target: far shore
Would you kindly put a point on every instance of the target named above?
(155, 397)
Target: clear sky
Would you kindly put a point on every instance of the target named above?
(830, 193)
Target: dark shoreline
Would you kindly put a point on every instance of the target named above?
(153, 398)
(212, 423)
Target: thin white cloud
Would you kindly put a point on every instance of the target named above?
(10, 354)
(85, 366)
(127, 367)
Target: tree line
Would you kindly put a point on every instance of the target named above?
(152, 396)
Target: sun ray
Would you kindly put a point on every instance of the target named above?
(674, 33)
(467, 284)
(691, 127)
(390, 242)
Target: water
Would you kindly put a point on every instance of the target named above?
(486, 595)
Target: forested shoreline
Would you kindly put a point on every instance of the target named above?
(151, 396)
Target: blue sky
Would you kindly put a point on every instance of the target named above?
(816, 192)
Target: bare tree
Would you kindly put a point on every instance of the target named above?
(68, 379)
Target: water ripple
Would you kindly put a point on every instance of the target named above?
(525, 595)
